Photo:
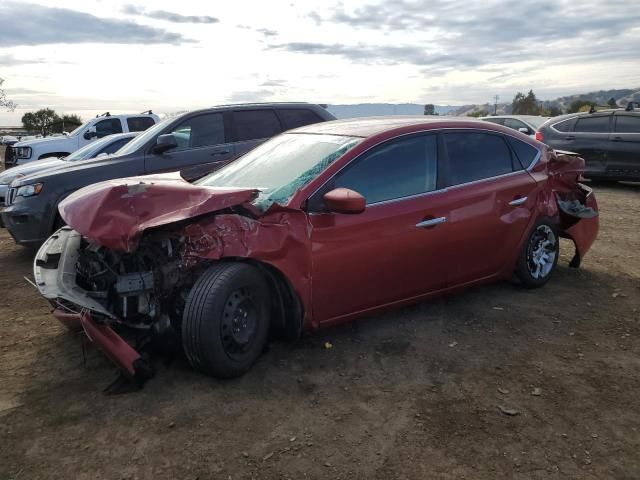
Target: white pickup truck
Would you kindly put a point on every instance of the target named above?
(61, 146)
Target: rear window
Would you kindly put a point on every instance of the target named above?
(298, 117)
(255, 124)
(627, 124)
(475, 156)
(525, 153)
(598, 124)
(139, 124)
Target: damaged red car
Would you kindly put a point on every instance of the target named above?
(314, 227)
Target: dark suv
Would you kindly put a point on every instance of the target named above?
(194, 143)
(608, 140)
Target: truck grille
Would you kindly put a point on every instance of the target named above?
(9, 157)
(11, 196)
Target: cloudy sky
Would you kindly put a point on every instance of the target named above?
(85, 56)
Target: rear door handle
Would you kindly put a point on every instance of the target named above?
(617, 139)
(220, 152)
(432, 222)
(570, 137)
(517, 201)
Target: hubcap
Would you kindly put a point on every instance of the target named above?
(541, 252)
(239, 322)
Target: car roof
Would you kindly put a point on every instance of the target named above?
(517, 117)
(370, 126)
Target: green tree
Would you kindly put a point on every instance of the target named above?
(612, 103)
(4, 101)
(66, 123)
(525, 104)
(430, 109)
(578, 105)
(552, 111)
(40, 121)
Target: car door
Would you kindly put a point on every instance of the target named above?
(103, 128)
(203, 147)
(491, 198)
(252, 127)
(625, 146)
(590, 138)
(391, 251)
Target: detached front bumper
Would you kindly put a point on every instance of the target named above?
(54, 272)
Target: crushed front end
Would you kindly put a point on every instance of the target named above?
(116, 295)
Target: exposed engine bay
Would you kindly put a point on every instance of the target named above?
(137, 288)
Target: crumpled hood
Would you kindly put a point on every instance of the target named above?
(115, 213)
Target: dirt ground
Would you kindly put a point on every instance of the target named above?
(497, 382)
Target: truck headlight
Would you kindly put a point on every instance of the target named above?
(29, 190)
(23, 152)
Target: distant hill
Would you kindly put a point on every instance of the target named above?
(373, 109)
(601, 97)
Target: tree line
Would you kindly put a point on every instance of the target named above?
(46, 121)
(529, 105)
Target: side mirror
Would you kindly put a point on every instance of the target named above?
(343, 200)
(90, 133)
(524, 130)
(164, 143)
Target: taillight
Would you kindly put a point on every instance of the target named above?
(539, 136)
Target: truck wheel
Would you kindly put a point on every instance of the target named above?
(226, 319)
(539, 255)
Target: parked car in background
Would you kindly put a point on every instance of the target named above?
(100, 148)
(194, 143)
(99, 127)
(527, 124)
(8, 140)
(314, 227)
(608, 140)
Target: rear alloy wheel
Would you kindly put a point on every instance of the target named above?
(226, 320)
(539, 255)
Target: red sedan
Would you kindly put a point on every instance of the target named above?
(315, 227)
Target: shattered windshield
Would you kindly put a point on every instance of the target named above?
(282, 165)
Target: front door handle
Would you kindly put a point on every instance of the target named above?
(617, 139)
(432, 222)
(220, 152)
(517, 201)
(570, 137)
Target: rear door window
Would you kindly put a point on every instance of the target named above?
(255, 124)
(396, 169)
(474, 156)
(596, 124)
(627, 124)
(108, 126)
(139, 124)
(201, 131)
(298, 117)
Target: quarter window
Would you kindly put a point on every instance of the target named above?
(598, 124)
(399, 168)
(108, 126)
(138, 124)
(298, 117)
(256, 124)
(564, 125)
(474, 156)
(525, 153)
(201, 131)
(627, 124)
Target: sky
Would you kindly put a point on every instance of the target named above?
(90, 56)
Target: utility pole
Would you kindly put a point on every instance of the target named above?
(495, 104)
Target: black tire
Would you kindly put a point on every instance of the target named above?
(532, 270)
(226, 319)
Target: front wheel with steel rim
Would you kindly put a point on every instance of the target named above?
(539, 255)
(226, 319)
